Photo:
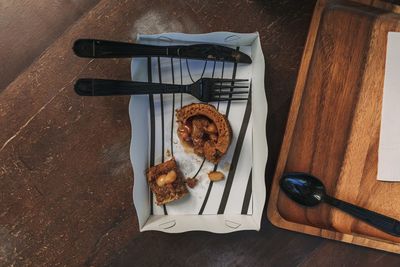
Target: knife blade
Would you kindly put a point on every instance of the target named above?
(92, 48)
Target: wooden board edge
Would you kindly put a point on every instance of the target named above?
(363, 241)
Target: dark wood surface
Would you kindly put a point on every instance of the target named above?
(65, 174)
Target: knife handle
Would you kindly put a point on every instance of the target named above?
(101, 87)
(379, 221)
(92, 48)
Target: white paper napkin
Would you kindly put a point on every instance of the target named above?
(389, 142)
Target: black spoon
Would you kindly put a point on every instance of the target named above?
(309, 191)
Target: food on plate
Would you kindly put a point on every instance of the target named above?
(216, 176)
(204, 129)
(191, 182)
(166, 182)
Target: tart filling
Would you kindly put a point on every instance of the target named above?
(204, 129)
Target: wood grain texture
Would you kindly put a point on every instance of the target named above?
(333, 126)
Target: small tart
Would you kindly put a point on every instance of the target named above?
(206, 130)
(168, 191)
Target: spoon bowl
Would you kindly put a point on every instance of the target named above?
(303, 188)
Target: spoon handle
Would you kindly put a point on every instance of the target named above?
(382, 222)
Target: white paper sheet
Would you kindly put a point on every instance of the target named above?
(389, 142)
(189, 163)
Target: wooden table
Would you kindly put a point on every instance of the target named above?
(65, 173)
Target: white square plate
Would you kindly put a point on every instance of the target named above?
(236, 203)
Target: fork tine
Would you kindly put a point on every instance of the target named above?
(216, 86)
(227, 99)
(229, 80)
(216, 93)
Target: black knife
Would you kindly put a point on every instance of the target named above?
(91, 48)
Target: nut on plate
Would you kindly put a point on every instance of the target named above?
(216, 176)
(191, 182)
(205, 129)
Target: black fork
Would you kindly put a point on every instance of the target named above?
(205, 89)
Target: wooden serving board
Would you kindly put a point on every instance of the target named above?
(334, 121)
